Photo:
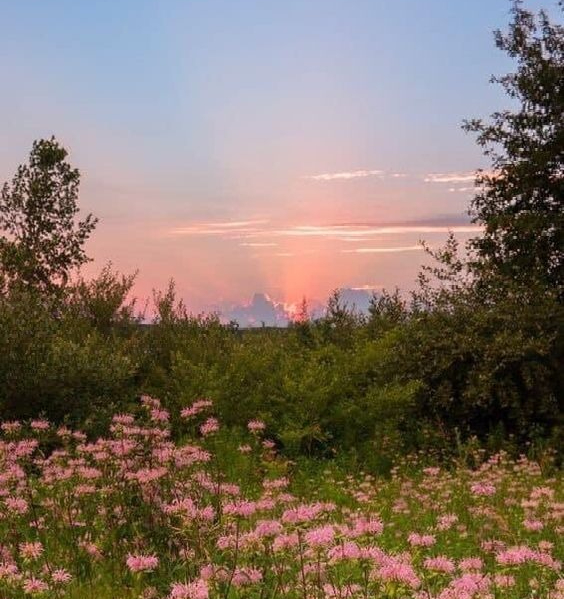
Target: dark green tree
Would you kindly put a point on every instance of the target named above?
(41, 240)
(520, 201)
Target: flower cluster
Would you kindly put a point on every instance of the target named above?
(136, 514)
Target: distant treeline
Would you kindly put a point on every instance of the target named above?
(428, 374)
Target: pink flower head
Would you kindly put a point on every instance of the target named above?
(31, 550)
(246, 576)
(39, 424)
(16, 505)
(417, 540)
(34, 586)
(198, 406)
(159, 415)
(440, 563)
(393, 569)
(191, 590)
(211, 425)
(482, 489)
(142, 563)
(11, 427)
(61, 576)
(320, 537)
(256, 426)
(469, 564)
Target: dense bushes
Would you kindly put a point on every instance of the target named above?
(404, 378)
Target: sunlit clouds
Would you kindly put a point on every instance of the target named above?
(219, 228)
(345, 175)
(344, 232)
(349, 232)
(450, 177)
(383, 250)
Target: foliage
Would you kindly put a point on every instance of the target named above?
(521, 200)
(62, 366)
(42, 243)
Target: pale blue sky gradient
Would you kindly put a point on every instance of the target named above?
(180, 113)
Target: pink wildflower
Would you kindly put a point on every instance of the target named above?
(417, 540)
(211, 425)
(440, 563)
(17, 505)
(320, 537)
(191, 590)
(34, 586)
(142, 563)
(31, 550)
(483, 489)
(256, 426)
(39, 425)
(61, 576)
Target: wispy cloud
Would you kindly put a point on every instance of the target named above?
(460, 189)
(219, 228)
(391, 250)
(345, 175)
(349, 232)
(464, 177)
(263, 233)
(367, 287)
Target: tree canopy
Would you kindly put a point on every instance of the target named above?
(41, 240)
(520, 201)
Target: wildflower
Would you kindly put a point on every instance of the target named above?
(39, 425)
(256, 426)
(417, 540)
(533, 525)
(31, 550)
(11, 427)
(483, 489)
(211, 425)
(192, 590)
(268, 528)
(34, 586)
(142, 563)
(17, 505)
(245, 576)
(159, 415)
(197, 407)
(471, 563)
(320, 537)
(61, 576)
(440, 563)
(394, 569)
(240, 508)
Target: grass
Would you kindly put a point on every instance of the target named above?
(221, 516)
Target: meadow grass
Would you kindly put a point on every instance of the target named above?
(221, 515)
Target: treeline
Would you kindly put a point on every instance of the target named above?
(406, 377)
(474, 355)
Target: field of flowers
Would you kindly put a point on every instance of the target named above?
(137, 515)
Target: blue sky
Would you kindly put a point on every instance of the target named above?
(186, 114)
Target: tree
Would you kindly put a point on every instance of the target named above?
(520, 201)
(42, 241)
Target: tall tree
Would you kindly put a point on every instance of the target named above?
(520, 201)
(41, 240)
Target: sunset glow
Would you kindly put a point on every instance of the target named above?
(285, 148)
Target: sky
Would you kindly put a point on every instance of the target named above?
(284, 148)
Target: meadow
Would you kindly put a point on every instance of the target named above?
(410, 452)
(135, 514)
